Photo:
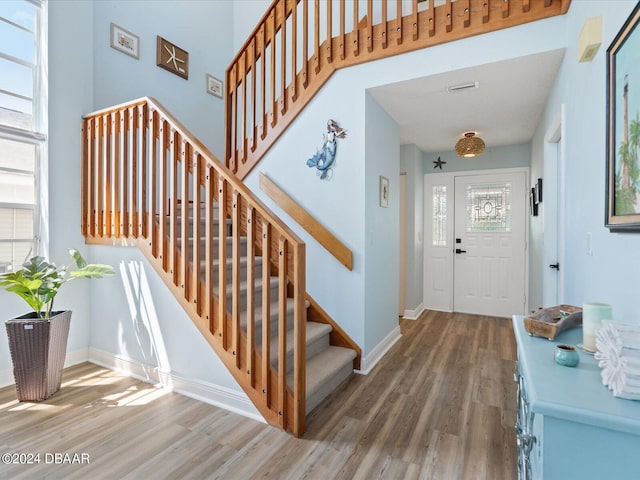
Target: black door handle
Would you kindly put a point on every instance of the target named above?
(460, 251)
(555, 266)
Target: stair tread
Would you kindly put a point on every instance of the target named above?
(321, 367)
(314, 331)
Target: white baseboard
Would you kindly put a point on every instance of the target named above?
(72, 358)
(219, 396)
(367, 363)
(413, 314)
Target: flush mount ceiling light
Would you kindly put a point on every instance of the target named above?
(469, 145)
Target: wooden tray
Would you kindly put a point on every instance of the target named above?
(549, 322)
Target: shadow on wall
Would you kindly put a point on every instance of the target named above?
(144, 318)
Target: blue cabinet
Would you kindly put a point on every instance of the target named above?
(569, 424)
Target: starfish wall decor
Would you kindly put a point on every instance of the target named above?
(438, 163)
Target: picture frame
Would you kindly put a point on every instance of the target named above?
(172, 58)
(214, 86)
(622, 212)
(384, 191)
(125, 41)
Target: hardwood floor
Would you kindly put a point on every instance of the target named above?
(440, 405)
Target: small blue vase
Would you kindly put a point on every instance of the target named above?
(567, 356)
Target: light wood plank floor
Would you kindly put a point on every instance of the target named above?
(440, 405)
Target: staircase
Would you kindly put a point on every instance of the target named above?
(237, 270)
(326, 365)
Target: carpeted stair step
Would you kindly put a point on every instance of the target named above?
(325, 371)
(317, 340)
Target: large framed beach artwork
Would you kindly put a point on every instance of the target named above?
(623, 128)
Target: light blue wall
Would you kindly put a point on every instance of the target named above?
(508, 156)
(382, 225)
(610, 274)
(135, 315)
(203, 29)
(412, 165)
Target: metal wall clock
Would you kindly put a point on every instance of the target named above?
(172, 58)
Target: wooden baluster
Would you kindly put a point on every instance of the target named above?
(162, 186)
(251, 304)
(108, 179)
(399, 30)
(157, 141)
(329, 40)
(196, 231)
(274, 104)
(370, 25)
(208, 247)
(263, 81)
(299, 334)
(183, 279)
(485, 11)
(243, 118)
(316, 36)
(505, 8)
(305, 43)
(448, 20)
(88, 187)
(342, 29)
(526, 6)
(356, 30)
(414, 17)
(222, 262)
(384, 24)
(294, 51)
(283, 59)
(232, 127)
(282, 331)
(135, 158)
(467, 13)
(143, 215)
(266, 313)
(102, 152)
(126, 123)
(235, 277)
(431, 18)
(118, 149)
(173, 207)
(91, 177)
(547, 3)
(254, 112)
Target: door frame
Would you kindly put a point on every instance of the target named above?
(448, 178)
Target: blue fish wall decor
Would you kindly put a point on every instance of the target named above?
(324, 159)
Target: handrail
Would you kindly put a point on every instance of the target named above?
(146, 180)
(318, 231)
(274, 75)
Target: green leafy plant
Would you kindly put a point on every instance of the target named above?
(38, 282)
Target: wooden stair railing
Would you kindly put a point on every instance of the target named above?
(143, 176)
(276, 72)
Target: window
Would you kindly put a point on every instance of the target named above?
(439, 216)
(22, 127)
(489, 208)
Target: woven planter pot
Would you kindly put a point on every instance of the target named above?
(38, 350)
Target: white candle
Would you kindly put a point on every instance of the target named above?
(592, 316)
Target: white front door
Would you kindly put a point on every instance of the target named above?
(489, 244)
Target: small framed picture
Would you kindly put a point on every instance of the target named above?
(214, 86)
(125, 41)
(384, 191)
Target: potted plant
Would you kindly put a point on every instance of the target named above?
(38, 340)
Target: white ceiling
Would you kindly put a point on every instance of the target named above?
(504, 110)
